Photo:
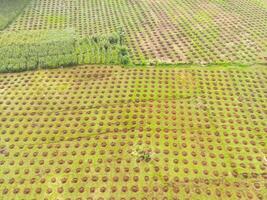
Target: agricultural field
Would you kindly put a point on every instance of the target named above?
(133, 99)
(173, 31)
(94, 132)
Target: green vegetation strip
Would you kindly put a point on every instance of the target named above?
(28, 50)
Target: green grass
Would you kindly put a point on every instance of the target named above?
(9, 9)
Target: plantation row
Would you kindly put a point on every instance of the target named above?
(30, 50)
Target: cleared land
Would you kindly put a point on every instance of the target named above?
(173, 31)
(105, 132)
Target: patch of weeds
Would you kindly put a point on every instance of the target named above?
(142, 155)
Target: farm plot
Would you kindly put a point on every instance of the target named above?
(174, 31)
(139, 133)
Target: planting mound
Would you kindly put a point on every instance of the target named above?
(141, 133)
